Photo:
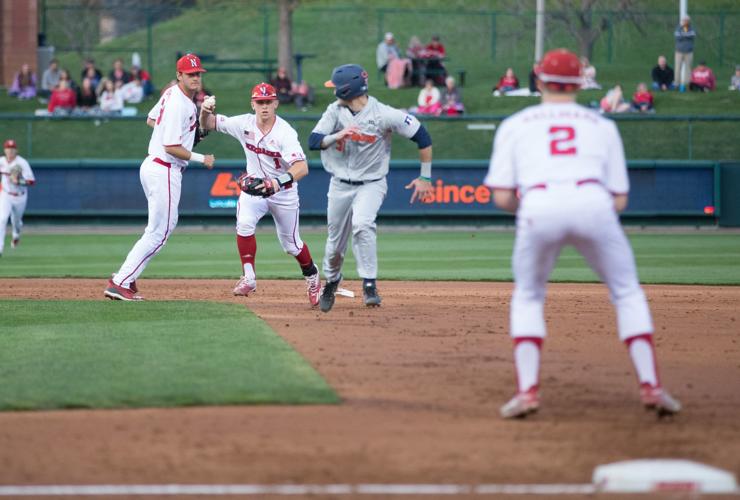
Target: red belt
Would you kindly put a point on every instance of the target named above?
(581, 182)
(13, 194)
(165, 163)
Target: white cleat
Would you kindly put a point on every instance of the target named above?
(657, 399)
(245, 286)
(521, 405)
(313, 288)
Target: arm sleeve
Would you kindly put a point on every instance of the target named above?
(314, 141)
(616, 177)
(154, 112)
(501, 169)
(400, 122)
(328, 121)
(231, 125)
(422, 137)
(291, 149)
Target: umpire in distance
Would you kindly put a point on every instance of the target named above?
(354, 137)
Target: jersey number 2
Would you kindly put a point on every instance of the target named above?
(561, 136)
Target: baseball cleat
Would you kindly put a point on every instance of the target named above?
(118, 292)
(245, 286)
(657, 399)
(371, 297)
(15, 242)
(522, 404)
(313, 288)
(328, 294)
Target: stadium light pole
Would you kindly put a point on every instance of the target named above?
(539, 37)
(683, 8)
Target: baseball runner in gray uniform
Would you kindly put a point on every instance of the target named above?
(354, 136)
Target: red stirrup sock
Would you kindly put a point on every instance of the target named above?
(527, 362)
(305, 261)
(247, 246)
(642, 353)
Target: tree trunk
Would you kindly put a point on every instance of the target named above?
(285, 35)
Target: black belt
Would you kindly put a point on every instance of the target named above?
(358, 183)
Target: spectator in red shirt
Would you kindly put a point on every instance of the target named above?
(434, 53)
(642, 99)
(506, 83)
(435, 48)
(702, 78)
(144, 77)
(63, 98)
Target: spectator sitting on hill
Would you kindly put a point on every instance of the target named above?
(110, 100)
(506, 83)
(50, 78)
(416, 53)
(132, 92)
(283, 86)
(89, 70)
(702, 78)
(533, 79)
(642, 99)
(118, 74)
(398, 72)
(663, 75)
(65, 75)
(428, 100)
(87, 99)
(145, 80)
(434, 53)
(63, 99)
(24, 83)
(303, 95)
(387, 48)
(451, 98)
(613, 102)
(589, 75)
(735, 80)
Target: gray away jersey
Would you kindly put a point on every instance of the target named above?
(365, 155)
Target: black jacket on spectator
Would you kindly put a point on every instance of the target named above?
(663, 76)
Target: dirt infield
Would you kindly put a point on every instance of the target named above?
(421, 380)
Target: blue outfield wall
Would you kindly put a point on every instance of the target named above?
(112, 188)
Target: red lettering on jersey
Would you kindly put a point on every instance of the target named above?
(161, 112)
(557, 144)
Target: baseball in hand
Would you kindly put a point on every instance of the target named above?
(209, 103)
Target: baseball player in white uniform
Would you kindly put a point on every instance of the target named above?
(560, 167)
(275, 158)
(174, 120)
(15, 177)
(354, 136)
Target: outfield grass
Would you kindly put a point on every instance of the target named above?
(75, 354)
(691, 258)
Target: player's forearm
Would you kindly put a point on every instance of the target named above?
(207, 120)
(425, 157)
(298, 170)
(150, 122)
(178, 152)
(506, 199)
(620, 202)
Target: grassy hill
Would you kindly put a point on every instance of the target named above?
(482, 37)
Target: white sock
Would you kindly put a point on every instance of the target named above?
(249, 271)
(527, 360)
(643, 357)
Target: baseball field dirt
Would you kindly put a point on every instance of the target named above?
(421, 380)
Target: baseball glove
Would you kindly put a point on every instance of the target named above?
(249, 184)
(16, 175)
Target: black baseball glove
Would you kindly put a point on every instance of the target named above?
(257, 186)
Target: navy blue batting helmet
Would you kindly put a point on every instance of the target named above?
(348, 81)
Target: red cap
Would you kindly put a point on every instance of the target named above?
(189, 63)
(263, 92)
(10, 143)
(560, 66)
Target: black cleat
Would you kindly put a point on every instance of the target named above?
(370, 293)
(328, 294)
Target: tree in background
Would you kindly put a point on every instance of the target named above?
(285, 34)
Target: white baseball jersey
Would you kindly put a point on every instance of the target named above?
(551, 143)
(175, 121)
(268, 155)
(5, 167)
(366, 154)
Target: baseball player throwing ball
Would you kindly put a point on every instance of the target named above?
(174, 120)
(560, 167)
(354, 136)
(15, 175)
(275, 164)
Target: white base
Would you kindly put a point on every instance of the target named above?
(644, 476)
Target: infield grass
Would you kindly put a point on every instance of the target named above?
(693, 257)
(77, 354)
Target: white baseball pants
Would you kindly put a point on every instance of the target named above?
(162, 186)
(353, 210)
(11, 207)
(584, 217)
(285, 209)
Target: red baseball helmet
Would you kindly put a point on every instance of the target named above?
(189, 63)
(10, 143)
(263, 92)
(560, 70)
